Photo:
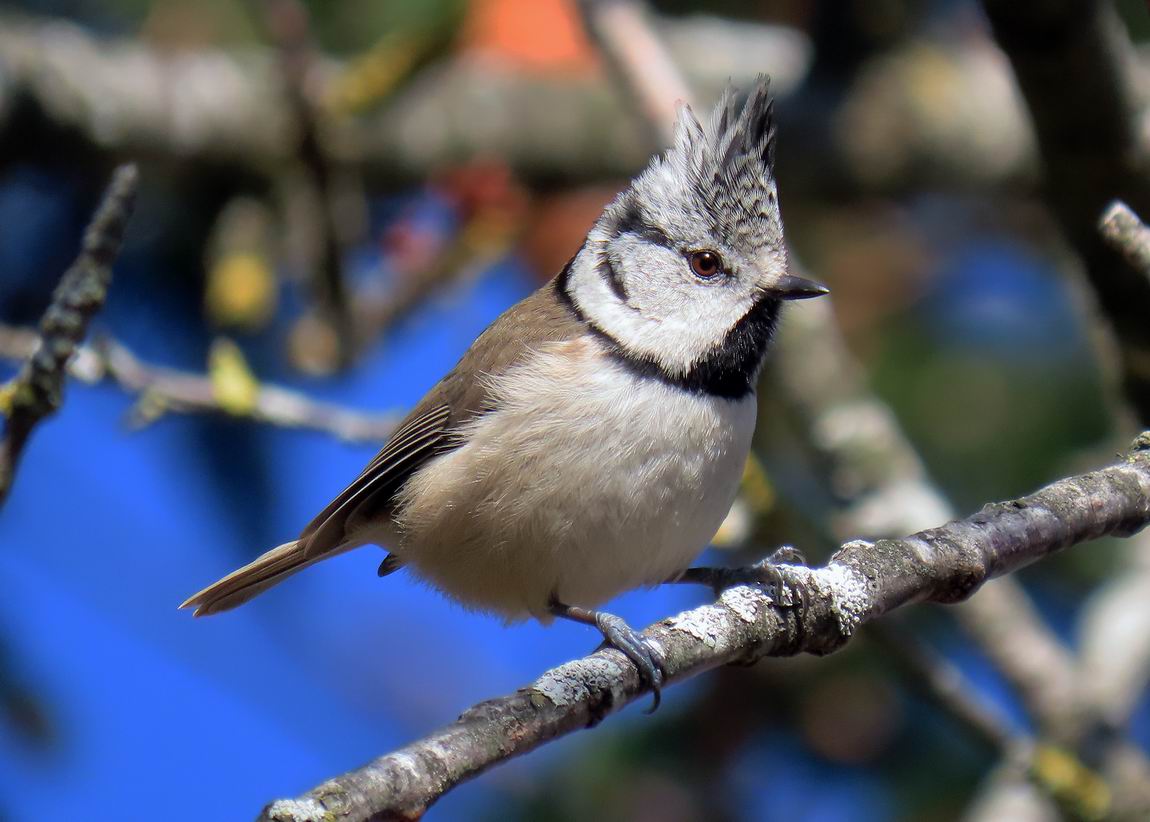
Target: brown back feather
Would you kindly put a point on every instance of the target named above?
(431, 428)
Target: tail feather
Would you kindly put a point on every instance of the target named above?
(254, 578)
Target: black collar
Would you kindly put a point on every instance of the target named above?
(727, 371)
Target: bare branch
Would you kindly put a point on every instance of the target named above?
(639, 60)
(1039, 667)
(1126, 233)
(164, 389)
(224, 107)
(1010, 794)
(1077, 70)
(884, 489)
(38, 390)
(1114, 638)
(289, 23)
(870, 466)
(861, 582)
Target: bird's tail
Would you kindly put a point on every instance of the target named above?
(254, 578)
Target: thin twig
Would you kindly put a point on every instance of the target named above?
(38, 390)
(638, 59)
(163, 389)
(861, 582)
(289, 23)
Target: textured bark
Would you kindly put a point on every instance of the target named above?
(38, 389)
(861, 582)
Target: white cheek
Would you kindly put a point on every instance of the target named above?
(668, 315)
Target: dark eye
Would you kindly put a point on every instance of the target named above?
(705, 264)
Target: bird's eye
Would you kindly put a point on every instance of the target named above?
(705, 264)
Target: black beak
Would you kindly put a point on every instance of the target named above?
(790, 287)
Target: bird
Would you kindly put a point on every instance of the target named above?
(592, 439)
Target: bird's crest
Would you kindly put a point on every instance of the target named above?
(720, 175)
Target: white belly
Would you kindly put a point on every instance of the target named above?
(587, 481)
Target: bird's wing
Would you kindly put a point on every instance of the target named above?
(432, 427)
(419, 438)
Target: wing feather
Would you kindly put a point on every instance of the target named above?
(433, 426)
(419, 439)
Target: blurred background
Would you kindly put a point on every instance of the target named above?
(336, 198)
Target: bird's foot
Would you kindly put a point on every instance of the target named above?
(769, 572)
(622, 637)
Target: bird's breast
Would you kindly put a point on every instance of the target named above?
(586, 480)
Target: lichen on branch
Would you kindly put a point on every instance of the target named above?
(37, 391)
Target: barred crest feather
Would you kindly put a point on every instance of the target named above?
(722, 173)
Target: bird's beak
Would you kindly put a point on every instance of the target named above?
(790, 287)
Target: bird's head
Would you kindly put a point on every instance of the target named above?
(687, 266)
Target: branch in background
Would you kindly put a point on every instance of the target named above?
(37, 391)
(1080, 791)
(639, 61)
(226, 107)
(1127, 234)
(883, 489)
(940, 681)
(1031, 774)
(289, 23)
(1114, 639)
(1077, 69)
(1118, 615)
(166, 389)
(871, 468)
(861, 582)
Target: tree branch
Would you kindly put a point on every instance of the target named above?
(1077, 69)
(289, 23)
(638, 61)
(883, 489)
(37, 391)
(1128, 235)
(216, 106)
(861, 582)
(943, 683)
(164, 389)
(225, 107)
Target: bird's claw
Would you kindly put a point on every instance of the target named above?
(772, 571)
(647, 659)
(767, 572)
